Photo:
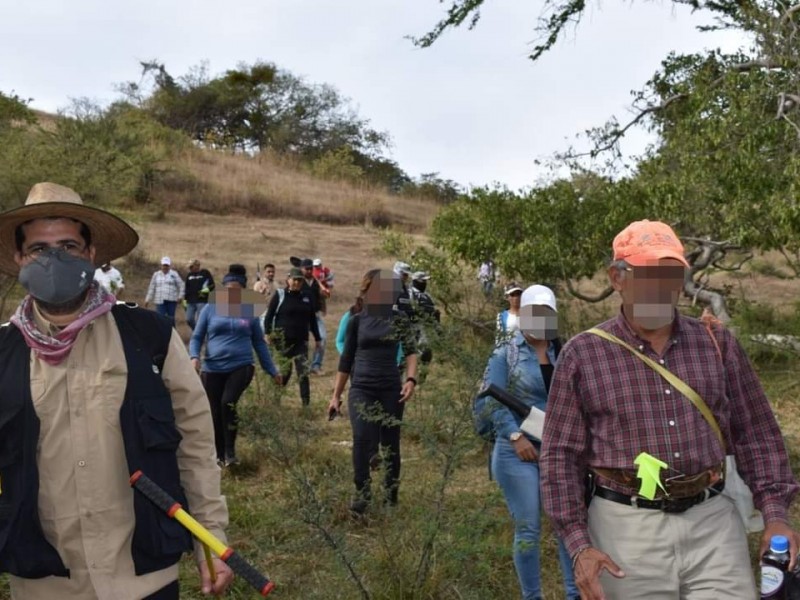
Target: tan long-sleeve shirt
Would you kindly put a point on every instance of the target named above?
(85, 500)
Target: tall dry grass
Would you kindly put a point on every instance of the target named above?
(270, 186)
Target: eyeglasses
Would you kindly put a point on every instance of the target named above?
(71, 248)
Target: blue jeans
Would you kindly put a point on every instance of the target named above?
(319, 354)
(167, 309)
(520, 484)
(192, 311)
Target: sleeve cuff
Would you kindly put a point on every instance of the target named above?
(577, 539)
(774, 511)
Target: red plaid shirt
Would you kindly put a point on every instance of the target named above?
(606, 406)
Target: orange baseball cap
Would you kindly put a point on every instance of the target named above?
(643, 243)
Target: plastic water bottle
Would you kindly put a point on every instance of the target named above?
(774, 567)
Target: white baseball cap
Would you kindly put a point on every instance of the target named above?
(166, 261)
(420, 276)
(401, 268)
(539, 295)
(317, 262)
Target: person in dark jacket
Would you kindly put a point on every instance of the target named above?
(290, 317)
(228, 366)
(377, 392)
(199, 284)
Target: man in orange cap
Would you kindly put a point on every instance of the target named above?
(610, 411)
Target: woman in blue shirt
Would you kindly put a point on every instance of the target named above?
(228, 366)
(523, 364)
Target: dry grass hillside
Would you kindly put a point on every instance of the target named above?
(275, 187)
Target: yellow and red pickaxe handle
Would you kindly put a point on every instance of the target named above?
(174, 510)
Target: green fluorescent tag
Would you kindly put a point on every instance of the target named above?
(650, 474)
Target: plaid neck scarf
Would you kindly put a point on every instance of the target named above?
(53, 350)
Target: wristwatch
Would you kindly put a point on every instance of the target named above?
(515, 436)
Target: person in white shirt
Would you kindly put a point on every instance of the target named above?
(166, 290)
(508, 320)
(110, 278)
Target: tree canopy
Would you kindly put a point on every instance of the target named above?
(723, 170)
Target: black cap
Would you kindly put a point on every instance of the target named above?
(306, 263)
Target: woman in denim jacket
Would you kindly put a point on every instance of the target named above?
(523, 365)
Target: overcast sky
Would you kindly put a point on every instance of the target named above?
(472, 107)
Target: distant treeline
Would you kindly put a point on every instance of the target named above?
(119, 152)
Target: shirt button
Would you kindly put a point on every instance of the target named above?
(672, 423)
(661, 361)
(641, 348)
(667, 392)
(677, 455)
(81, 463)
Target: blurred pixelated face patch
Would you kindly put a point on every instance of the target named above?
(384, 289)
(238, 303)
(539, 322)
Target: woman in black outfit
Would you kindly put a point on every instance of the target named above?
(290, 317)
(377, 393)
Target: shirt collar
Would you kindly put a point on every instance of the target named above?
(629, 335)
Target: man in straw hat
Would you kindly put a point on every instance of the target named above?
(91, 391)
(647, 405)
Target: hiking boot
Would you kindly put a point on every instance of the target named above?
(358, 507)
(231, 460)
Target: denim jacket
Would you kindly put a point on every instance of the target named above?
(514, 366)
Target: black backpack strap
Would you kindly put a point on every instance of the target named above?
(149, 330)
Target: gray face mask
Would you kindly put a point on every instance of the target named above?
(56, 277)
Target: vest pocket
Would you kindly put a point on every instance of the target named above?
(157, 424)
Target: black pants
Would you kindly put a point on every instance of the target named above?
(375, 416)
(224, 391)
(168, 592)
(297, 353)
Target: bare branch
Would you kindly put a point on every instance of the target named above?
(619, 133)
(789, 13)
(787, 343)
(711, 298)
(598, 298)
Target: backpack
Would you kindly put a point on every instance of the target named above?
(481, 407)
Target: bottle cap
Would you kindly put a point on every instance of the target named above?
(779, 543)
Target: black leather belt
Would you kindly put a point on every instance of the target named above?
(668, 505)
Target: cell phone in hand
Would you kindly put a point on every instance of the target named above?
(332, 413)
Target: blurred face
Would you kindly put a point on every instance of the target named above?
(650, 293)
(269, 273)
(165, 268)
(295, 284)
(383, 292)
(235, 301)
(194, 268)
(538, 322)
(514, 298)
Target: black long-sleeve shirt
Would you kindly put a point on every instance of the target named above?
(196, 282)
(370, 349)
(295, 318)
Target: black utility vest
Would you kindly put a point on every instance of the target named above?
(148, 432)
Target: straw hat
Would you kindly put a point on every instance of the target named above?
(111, 236)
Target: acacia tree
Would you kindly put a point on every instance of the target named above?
(723, 171)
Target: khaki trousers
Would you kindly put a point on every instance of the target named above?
(700, 554)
